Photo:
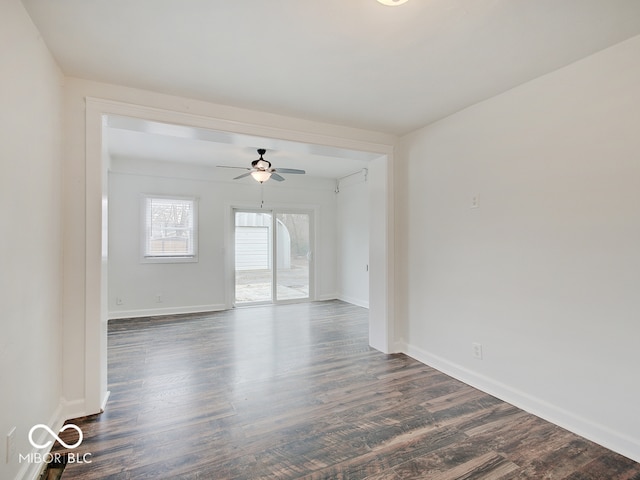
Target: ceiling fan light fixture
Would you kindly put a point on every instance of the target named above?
(392, 3)
(261, 175)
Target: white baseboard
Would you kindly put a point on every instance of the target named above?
(103, 405)
(32, 470)
(354, 301)
(73, 409)
(29, 470)
(326, 297)
(344, 298)
(66, 410)
(153, 312)
(601, 434)
(399, 346)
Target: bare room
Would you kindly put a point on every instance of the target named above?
(375, 239)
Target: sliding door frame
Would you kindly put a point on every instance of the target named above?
(274, 211)
(312, 242)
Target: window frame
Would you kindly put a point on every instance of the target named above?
(144, 230)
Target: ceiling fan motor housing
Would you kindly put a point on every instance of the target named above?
(261, 163)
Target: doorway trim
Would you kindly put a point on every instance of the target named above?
(381, 233)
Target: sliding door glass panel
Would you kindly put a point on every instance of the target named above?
(253, 257)
(293, 255)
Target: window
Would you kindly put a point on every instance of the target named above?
(169, 229)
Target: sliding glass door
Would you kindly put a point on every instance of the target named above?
(273, 256)
(294, 256)
(253, 257)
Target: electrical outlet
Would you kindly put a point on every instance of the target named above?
(475, 201)
(158, 298)
(477, 350)
(11, 445)
(119, 301)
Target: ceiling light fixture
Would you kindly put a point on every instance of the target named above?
(392, 3)
(261, 175)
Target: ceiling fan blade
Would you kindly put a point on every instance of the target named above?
(243, 175)
(276, 177)
(289, 170)
(227, 166)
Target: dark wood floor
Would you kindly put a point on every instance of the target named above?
(294, 391)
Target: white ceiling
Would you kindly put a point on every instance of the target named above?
(130, 138)
(347, 62)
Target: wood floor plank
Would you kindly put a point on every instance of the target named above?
(294, 391)
(490, 466)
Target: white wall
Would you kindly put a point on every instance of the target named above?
(353, 240)
(30, 235)
(545, 274)
(199, 286)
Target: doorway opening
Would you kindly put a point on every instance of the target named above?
(273, 261)
(92, 372)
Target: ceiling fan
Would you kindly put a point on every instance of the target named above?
(261, 169)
